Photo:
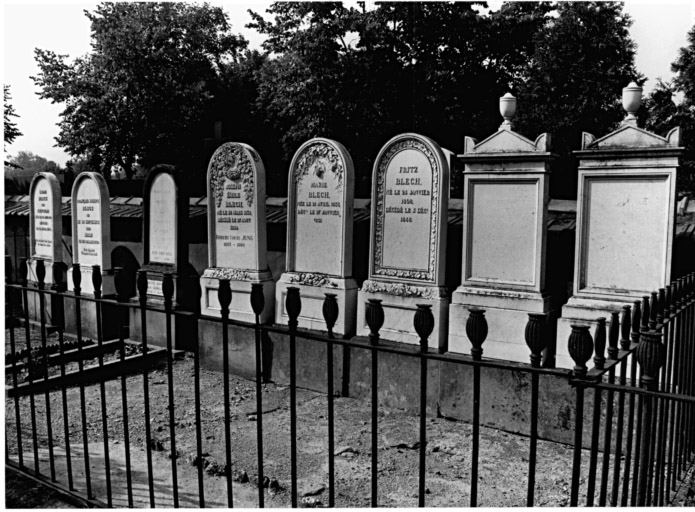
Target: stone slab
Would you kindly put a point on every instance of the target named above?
(240, 307)
(162, 229)
(183, 329)
(109, 319)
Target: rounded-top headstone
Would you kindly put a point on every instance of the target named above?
(45, 219)
(320, 209)
(236, 208)
(410, 193)
(91, 221)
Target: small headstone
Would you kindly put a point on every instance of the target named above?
(91, 229)
(319, 235)
(236, 231)
(46, 224)
(410, 192)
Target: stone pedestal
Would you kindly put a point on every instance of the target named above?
(111, 317)
(504, 239)
(312, 297)
(241, 285)
(625, 223)
(399, 312)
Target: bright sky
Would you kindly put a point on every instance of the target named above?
(659, 30)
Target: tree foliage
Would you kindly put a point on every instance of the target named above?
(583, 58)
(142, 92)
(11, 132)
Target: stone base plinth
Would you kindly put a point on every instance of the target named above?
(111, 318)
(34, 308)
(240, 307)
(399, 314)
(311, 316)
(584, 311)
(506, 313)
(183, 327)
(86, 288)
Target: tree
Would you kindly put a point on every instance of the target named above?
(142, 93)
(582, 60)
(664, 114)
(10, 127)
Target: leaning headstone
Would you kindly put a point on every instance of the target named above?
(504, 238)
(236, 232)
(319, 235)
(626, 209)
(410, 192)
(165, 217)
(45, 238)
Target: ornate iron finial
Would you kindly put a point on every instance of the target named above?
(58, 278)
(23, 272)
(374, 315)
(580, 347)
(40, 274)
(600, 343)
(668, 301)
(535, 335)
(424, 324)
(632, 100)
(653, 306)
(96, 280)
(646, 313)
(636, 318)
(76, 278)
(660, 304)
(507, 110)
(142, 286)
(625, 329)
(476, 330)
(257, 298)
(293, 304)
(651, 354)
(330, 310)
(168, 288)
(613, 335)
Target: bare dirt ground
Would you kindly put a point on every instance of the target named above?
(503, 456)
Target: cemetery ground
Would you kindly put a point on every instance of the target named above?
(503, 455)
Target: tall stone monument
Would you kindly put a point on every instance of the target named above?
(165, 250)
(410, 192)
(319, 235)
(625, 220)
(45, 237)
(504, 238)
(91, 231)
(237, 232)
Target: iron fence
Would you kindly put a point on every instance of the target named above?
(639, 396)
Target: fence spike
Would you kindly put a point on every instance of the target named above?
(600, 343)
(660, 306)
(76, 278)
(423, 321)
(330, 310)
(613, 335)
(625, 328)
(476, 330)
(142, 286)
(651, 355)
(644, 320)
(96, 280)
(168, 288)
(57, 277)
(535, 335)
(636, 318)
(668, 298)
(653, 306)
(374, 315)
(293, 304)
(580, 347)
(257, 298)
(40, 274)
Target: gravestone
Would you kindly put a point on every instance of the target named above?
(236, 232)
(410, 192)
(319, 235)
(91, 245)
(45, 239)
(504, 238)
(165, 250)
(625, 220)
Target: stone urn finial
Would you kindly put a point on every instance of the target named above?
(507, 110)
(632, 99)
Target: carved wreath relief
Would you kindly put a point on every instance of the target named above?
(230, 161)
(318, 159)
(379, 269)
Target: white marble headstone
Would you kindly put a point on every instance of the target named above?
(163, 220)
(46, 217)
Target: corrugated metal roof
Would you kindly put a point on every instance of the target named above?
(562, 213)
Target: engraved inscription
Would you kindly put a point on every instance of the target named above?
(88, 220)
(43, 219)
(162, 227)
